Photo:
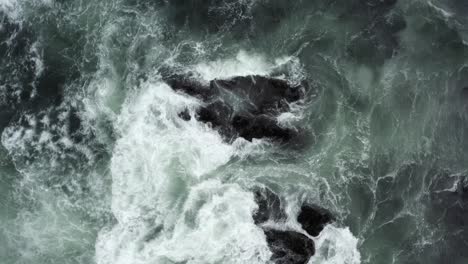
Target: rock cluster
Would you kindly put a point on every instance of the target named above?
(289, 246)
(242, 106)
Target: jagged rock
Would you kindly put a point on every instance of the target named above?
(263, 94)
(250, 127)
(314, 219)
(243, 106)
(269, 206)
(189, 85)
(217, 113)
(289, 247)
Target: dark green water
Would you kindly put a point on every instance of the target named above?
(96, 166)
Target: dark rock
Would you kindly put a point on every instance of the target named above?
(289, 247)
(263, 94)
(314, 218)
(269, 206)
(189, 85)
(262, 126)
(243, 106)
(217, 113)
(185, 115)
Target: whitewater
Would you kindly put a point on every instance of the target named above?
(98, 166)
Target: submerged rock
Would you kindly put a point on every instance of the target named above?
(242, 106)
(313, 219)
(269, 206)
(289, 247)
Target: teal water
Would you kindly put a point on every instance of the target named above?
(96, 166)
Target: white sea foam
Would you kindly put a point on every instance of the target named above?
(223, 230)
(156, 146)
(160, 167)
(169, 202)
(10, 8)
(288, 119)
(243, 64)
(336, 246)
(14, 8)
(157, 159)
(214, 227)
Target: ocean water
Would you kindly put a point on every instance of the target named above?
(96, 166)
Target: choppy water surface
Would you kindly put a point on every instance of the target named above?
(97, 167)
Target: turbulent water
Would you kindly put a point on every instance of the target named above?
(96, 166)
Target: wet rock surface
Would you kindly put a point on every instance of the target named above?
(288, 246)
(242, 106)
(251, 126)
(313, 219)
(269, 206)
(260, 94)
